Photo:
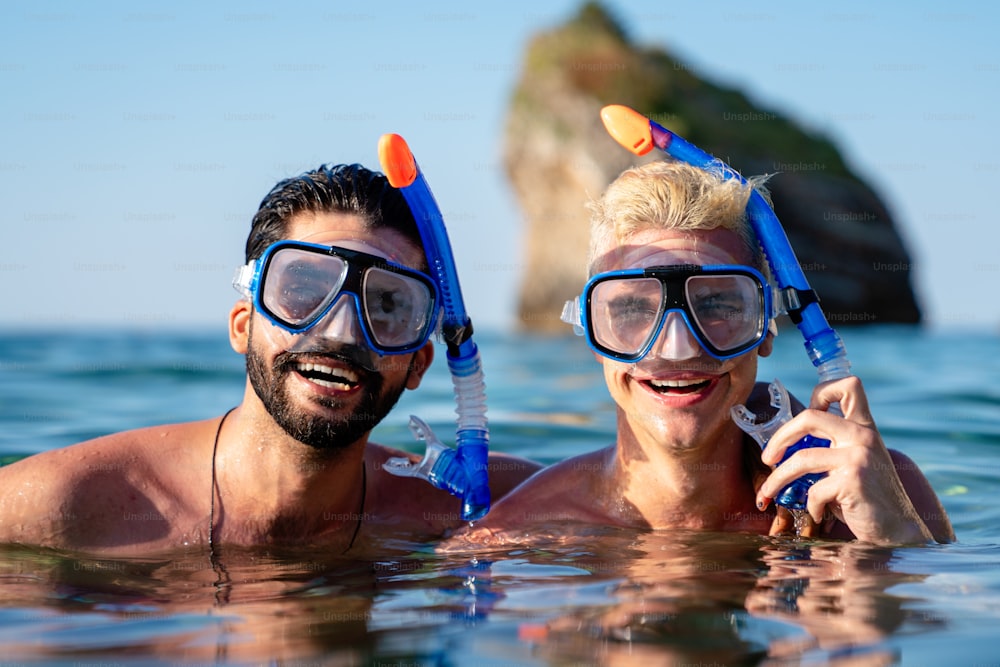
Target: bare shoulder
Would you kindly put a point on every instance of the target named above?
(507, 472)
(922, 495)
(116, 452)
(408, 504)
(52, 497)
(564, 491)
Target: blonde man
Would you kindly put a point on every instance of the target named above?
(677, 312)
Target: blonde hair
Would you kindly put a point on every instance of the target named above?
(667, 194)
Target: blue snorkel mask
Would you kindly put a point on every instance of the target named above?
(296, 285)
(727, 308)
(461, 471)
(824, 346)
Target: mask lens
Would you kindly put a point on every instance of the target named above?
(624, 313)
(298, 285)
(727, 309)
(397, 308)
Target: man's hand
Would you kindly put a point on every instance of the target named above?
(862, 488)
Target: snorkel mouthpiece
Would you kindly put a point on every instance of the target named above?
(824, 346)
(795, 495)
(460, 471)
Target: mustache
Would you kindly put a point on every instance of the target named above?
(352, 355)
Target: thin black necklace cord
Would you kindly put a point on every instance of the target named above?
(222, 582)
(216, 565)
(211, 507)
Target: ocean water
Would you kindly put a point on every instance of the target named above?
(607, 598)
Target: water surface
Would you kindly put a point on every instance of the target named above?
(594, 598)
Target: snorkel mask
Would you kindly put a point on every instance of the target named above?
(823, 345)
(727, 309)
(298, 287)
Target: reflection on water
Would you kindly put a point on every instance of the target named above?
(620, 597)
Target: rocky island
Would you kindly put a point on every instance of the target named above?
(558, 156)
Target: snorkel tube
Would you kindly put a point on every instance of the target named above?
(824, 346)
(460, 471)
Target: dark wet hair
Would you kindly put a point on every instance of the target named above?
(341, 188)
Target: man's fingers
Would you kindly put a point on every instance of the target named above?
(849, 394)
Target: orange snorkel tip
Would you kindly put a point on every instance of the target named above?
(397, 160)
(628, 127)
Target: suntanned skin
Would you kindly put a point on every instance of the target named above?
(681, 463)
(150, 490)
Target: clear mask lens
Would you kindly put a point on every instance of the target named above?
(725, 311)
(625, 313)
(397, 309)
(298, 284)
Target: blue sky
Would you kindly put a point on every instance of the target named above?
(138, 139)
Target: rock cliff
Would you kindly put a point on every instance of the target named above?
(558, 156)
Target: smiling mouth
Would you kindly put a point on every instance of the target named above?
(678, 386)
(327, 376)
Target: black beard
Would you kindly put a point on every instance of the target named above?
(323, 434)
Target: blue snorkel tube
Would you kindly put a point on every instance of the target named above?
(460, 471)
(824, 346)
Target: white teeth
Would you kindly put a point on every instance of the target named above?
(675, 384)
(324, 383)
(344, 373)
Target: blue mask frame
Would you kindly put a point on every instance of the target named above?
(673, 299)
(250, 279)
